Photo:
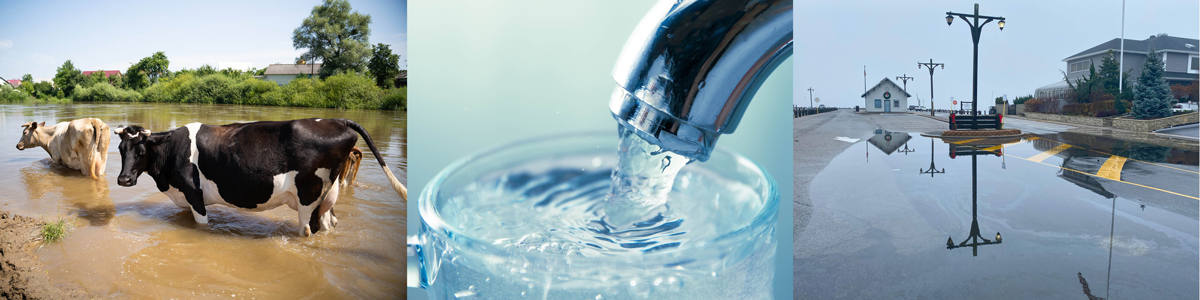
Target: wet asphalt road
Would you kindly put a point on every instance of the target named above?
(1185, 130)
(869, 226)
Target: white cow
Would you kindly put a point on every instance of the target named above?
(80, 144)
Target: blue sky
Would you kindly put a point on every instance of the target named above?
(36, 37)
(835, 39)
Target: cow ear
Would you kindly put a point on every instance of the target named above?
(152, 139)
(43, 124)
(26, 124)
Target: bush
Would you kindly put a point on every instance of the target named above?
(9, 94)
(1093, 109)
(101, 91)
(1106, 113)
(395, 99)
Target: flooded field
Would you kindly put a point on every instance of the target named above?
(1059, 216)
(133, 242)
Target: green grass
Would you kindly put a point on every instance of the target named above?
(56, 230)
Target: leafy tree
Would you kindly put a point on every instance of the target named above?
(335, 36)
(26, 79)
(384, 66)
(134, 78)
(67, 77)
(155, 66)
(1153, 95)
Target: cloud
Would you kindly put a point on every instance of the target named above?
(5, 44)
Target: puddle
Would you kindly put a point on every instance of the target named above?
(884, 209)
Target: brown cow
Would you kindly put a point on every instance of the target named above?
(80, 144)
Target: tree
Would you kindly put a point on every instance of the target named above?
(26, 79)
(335, 36)
(155, 66)
(1152, 93)
(67, 77)
(134, 78)
(1110, 78)
(384, 66)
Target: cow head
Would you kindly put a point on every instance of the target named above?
(134, 146)
(30, 135)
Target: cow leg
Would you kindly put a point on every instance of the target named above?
(326, 220)
(195, 196)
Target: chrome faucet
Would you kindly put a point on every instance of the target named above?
(690, 68)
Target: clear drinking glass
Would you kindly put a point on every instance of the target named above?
(725, 252)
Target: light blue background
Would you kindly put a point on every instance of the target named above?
(485, 73)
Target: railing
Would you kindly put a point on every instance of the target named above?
(805, 111)
(976, 122)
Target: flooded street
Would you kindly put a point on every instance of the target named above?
(133, 242)
(1042, 216)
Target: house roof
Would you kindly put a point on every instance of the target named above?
(292, 69)
(885, 79)
(1160, 42)
(402, 75)
(888, 141)
(14, 82)
(107, 73)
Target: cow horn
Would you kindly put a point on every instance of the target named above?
(119, 130)
(146, 132)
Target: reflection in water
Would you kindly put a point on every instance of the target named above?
(888, 141)
(973, 239)
(139, 245)
(90, 197)
(932, 168)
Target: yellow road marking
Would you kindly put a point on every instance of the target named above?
(1125, 182)
(993, 148)
(1141, 161)
(1112, 168)
(1044, 155)
(965, 141)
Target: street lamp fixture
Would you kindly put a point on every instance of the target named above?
(976, 30)
(930, 65)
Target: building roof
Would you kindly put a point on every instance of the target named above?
(885, 79)
(107, 73)
(14, 82)
(1061, 84)
(292, 69)
(402, 75)
(888, 141)
(1159, 42)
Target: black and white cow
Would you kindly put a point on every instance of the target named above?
(253, 166)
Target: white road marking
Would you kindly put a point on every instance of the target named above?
(846, 139)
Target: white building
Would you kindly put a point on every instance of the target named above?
(283, 73)
(886, 96)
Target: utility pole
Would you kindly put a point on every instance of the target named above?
(930, 65)
(810, 103)
(905, 80)
(1121, 64)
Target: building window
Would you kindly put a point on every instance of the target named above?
(1193, 64)
(1081, 66)
(878, 103)
(895, 103)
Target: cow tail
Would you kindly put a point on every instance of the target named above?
(396, 185)
(91, 154)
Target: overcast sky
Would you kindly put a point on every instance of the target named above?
(834, 40)
(36, 37)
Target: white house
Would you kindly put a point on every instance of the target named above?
(283, 73)
(887, 96)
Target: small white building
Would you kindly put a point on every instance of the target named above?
(886, 96)
(283, 73)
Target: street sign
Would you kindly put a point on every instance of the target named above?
(818, 100)
(955, 102)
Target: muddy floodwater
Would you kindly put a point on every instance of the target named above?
(132, 242)
(1058, 216)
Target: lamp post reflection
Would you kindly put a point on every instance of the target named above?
(973, 240)
(932, 168)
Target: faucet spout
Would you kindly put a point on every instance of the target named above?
(690, 68)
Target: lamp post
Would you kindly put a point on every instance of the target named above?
(810, 102)
(976, 29)
(930, 65)
(932, 168)
(905, 80)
